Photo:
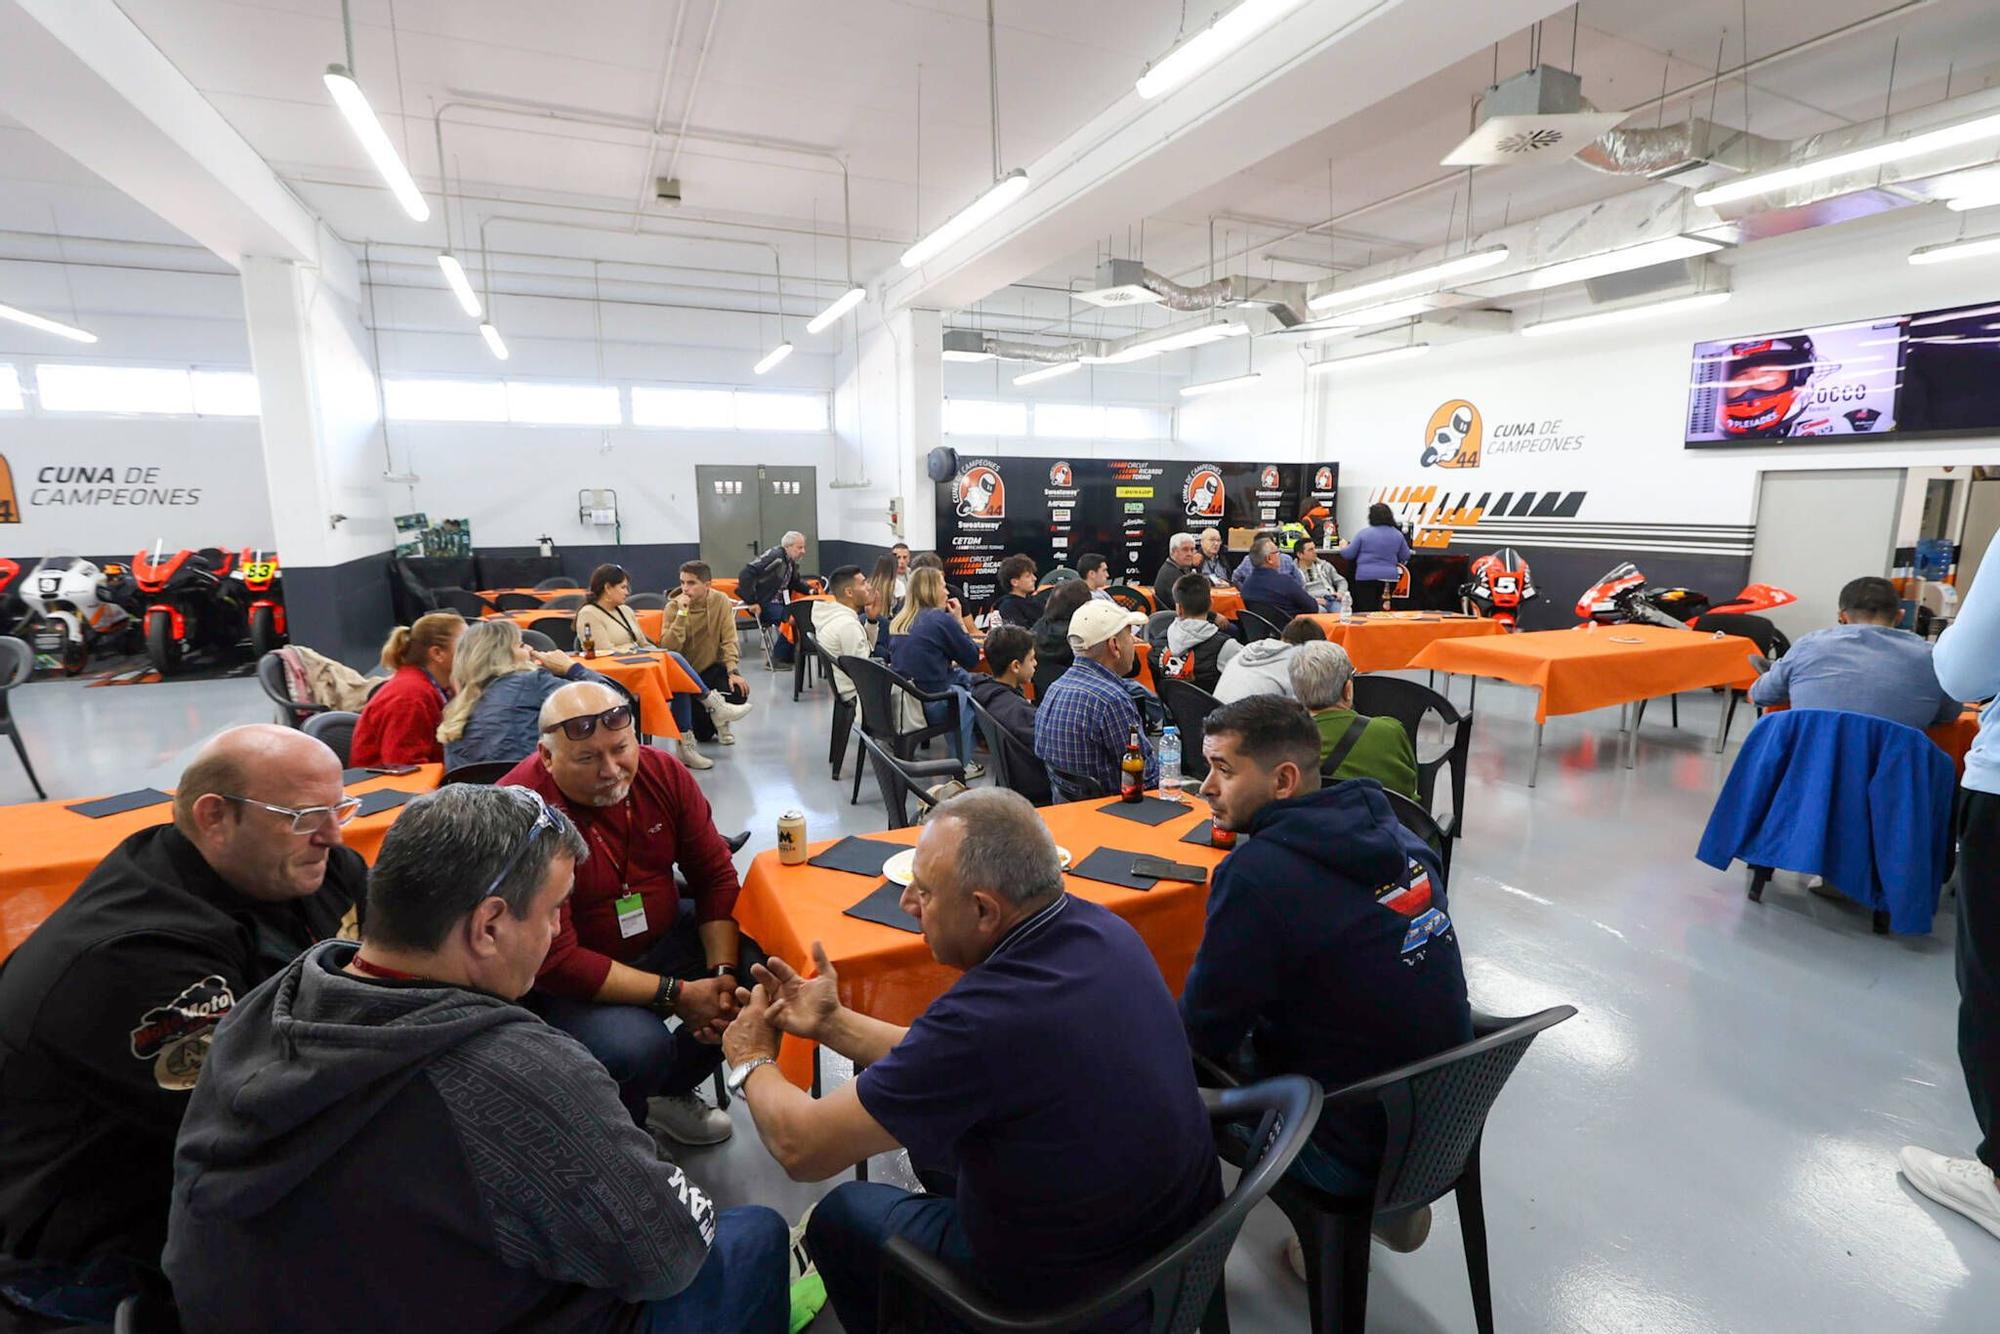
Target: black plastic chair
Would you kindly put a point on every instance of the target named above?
(564, 602)
(517, 602)
(1131, 599)
(466, 603)
(843, 713)
(1066, 786)
(1189, 706)
(336, 728)
(1184, 1281)
(536, 639)
(875, 688)
(1769, 639)
(1254, 627)
(900, 780)
(558, 629)
(480, 775)
(1274, 616)
(1419, 822)
(1436, 1111)
(1015, 766)
(647, 602)
(805, 648)
(17, 664)
(271, 676)
(556, 581)
(1407, 702)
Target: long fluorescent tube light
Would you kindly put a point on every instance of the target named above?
(353, 104)
(47, 325)
(773, 357)
(1382, 313)
(1622, 260)
(1956, 250)
(454, 278)
(1387, 354)
(1966, 203)
(1430, 273)
(953, 354)
(1000, 194)
(1700, 301)
(1860, 159)
(846, 301)
(1211, 44)
(1217, 386)
(1048, 372)
(493, 343)
(1173, 342)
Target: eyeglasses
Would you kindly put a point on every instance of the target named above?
(545, 819)
(614, 719)
(307, 820)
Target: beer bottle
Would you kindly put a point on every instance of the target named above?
(1132, 770)
(589, 643)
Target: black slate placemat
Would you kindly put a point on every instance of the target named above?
(117, 805)
(355, 776)
(374, 803)
(858, 856)
(1199, 834)
(1146, 810)
(883, 906)
(1113, 866)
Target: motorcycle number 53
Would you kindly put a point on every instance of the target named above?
(260, 571)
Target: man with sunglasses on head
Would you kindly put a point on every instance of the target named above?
(107, 1010)
(633, 952)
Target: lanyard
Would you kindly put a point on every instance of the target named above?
(624, 865)
(361, 965)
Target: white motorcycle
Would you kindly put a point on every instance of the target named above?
(77, 608)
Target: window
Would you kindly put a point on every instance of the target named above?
(1136, 424)
(1089, 421)
(114, 389)
(224, 393)
(684, 409)
(445, 400)
(973, 416)
(10, 389)
(546, 403)
(780, 412)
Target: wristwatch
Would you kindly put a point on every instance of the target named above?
(666, 997)
(733, 1081)
(725, 968)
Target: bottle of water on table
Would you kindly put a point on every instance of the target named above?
(1170, 763)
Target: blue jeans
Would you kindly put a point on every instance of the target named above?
(775, 613)
(851, 1225)
(683, 705)
(745, 1284)
(962, 742)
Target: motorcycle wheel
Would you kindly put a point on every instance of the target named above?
(161, 649)
(264, 634)
(75, 657)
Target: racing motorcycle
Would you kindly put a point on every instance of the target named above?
(10, 606)
(1501, 583)
(77, 608)
(1623, 597)
(192, 604)
(264, 587)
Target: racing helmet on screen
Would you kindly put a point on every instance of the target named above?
(1761, 388)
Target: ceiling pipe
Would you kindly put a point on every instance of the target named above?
(660, 106)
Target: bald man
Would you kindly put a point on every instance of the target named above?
(630, 955)
(107, 1009)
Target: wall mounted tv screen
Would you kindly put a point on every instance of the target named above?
(1935, 373)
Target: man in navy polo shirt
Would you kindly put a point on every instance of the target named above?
(1052, 1080)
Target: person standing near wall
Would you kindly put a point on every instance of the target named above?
(1377, 551)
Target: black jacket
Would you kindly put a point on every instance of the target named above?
(1163, 583)
(770, 574)
(1052, 653)
(1017, 610)
(1013, 711)
(105, 1017)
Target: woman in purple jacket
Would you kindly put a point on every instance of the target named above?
(1377, 552)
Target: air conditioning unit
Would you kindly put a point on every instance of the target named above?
(1120, 282)
(1536, 116)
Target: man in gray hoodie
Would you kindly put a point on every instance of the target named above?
(1265, 667)
(1193, 646)
(383, 1139)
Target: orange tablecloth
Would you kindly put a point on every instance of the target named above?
(1225, 602)
(1388, 641)
(1579, 670)
(541, 594)
(890, 974)
(47, 850)
(655, 681)
(1955, 737)
(650, 620)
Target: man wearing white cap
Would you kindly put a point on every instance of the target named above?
(1084, 723)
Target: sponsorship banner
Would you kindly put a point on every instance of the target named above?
(1125, 510)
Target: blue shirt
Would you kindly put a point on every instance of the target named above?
(1967, 662)
(927, 651)
(1275, 589)
(1376, 551)
(1084, 723)
(1872, 669)
(1055, 1079)
(1286, 566)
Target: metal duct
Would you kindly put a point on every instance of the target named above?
(969, 340)
(1208, 296)
(1643, 152)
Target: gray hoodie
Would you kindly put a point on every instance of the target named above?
(408, 1155)
(1262, 668)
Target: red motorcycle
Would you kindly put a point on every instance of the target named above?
(192, 605)
(264, 583)
(1501, 583)
(1623, 597)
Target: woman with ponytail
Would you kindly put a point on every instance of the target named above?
(498, 685)
(400, 721)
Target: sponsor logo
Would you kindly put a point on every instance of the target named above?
(1135, 493)
(1453, 436)
(1268, 479)
(175, 1036)
(1201, 493)
(1060, 475)
(978, 493)
(10, 508)
(1323, 480)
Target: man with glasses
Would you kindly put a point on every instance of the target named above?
(107, 1010)
(637, 948)
(475, 1169)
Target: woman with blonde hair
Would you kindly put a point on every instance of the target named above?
(937, 655)
(498, 685)
(399, 722)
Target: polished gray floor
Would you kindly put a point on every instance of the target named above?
(1709, 1145)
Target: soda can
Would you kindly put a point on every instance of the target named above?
(792, 837)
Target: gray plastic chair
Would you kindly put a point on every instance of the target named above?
(336, 728)
(17, 664)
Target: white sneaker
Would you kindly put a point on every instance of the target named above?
(1964, 1184)
(974, 770)
(686, 1118)
(693, 758)
(722, 732)
(720, 709)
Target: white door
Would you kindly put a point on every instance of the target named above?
(1982, 520)
(1817, 530)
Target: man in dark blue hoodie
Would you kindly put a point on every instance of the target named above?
(1328, 945)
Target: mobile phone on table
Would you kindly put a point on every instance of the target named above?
(1159, 868)
(392, 770)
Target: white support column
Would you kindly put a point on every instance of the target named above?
(888, 413)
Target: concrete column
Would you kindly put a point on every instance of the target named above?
(888, 414)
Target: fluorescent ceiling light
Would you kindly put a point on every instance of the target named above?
(1172, 342)
(1217, 386)
(1966, 203)
(1963, 191)
(1380, 314)
(1430, 273)
(1000, 194)
(1952, 251)
(1860, 159)
(353, 104)
(1662, 251)
(954, 354)
(493, 343)
(773, 357)
(1211, 44)
(847, 301)
(454, 277)
(1368, 359)
(1048, 372)
(46, 325)
(1700, 301)
(1326, 333)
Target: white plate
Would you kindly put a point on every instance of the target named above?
(1625, 639)
(900, 869)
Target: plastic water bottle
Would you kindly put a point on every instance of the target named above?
(1170, 764)
(1346, 603)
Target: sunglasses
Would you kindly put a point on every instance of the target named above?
(582, 727)
(308, 820)
(545, 820)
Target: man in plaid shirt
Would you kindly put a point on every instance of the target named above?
(1084, 722)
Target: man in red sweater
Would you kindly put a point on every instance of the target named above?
(631, 953)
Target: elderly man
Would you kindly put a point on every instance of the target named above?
(1211, 567)
(765, 581)
(631, 953)
(1032, 1079)
(106, 1011)
(1350, 746)
(1863, 665)
(837, 623)
(1088, 717)
(1269, 591)
(1183, 557)
(385, 1140)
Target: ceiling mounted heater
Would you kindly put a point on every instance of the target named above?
(1120, 282)
(1537, 116)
